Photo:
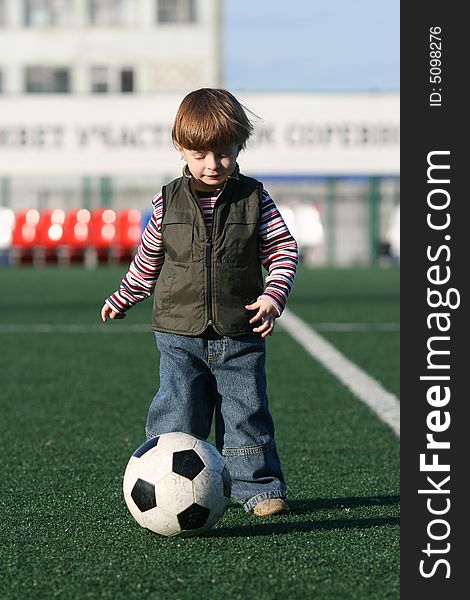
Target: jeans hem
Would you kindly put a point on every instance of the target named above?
(246, 451)
(252, 502)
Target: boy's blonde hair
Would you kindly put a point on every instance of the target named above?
(210, 119)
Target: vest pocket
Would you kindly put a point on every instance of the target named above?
(243, 243)
(177, 233)
(163, 289)
(181, 291)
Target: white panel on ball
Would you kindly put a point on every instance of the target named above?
(176, 484)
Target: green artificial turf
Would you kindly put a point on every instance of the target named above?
(361, 296)
(73, 408)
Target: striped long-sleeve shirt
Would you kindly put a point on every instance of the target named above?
(278, 254)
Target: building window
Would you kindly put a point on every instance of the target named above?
(176, 11)
(47, 80)
(99, 80)
(112, 12)
(127, 80)
(44, 13)
(106, 80)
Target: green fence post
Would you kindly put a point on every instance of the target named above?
(106, 194)
(86, 193)
(374, 198)
(330, 220)
(5, 192)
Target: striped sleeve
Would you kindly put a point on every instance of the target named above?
(278, 254)
(139, 282)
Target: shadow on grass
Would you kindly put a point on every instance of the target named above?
(309, 505)
(287, 524)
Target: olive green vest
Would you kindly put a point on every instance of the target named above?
(208, 278)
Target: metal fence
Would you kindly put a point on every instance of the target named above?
(339, 221)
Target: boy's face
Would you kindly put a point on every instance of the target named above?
(210, 168)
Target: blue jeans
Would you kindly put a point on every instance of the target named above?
(208, 374)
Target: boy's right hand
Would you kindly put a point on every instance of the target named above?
(107, 311)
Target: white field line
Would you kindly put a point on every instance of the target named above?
(354, 327)
(363, 386)
(75, 328)
(144, 328)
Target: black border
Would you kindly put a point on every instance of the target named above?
(426, 128)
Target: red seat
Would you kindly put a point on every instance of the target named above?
(25, 235)
(51, 228)
(25, 232)
(129, 229)
(103, 228)
(78, 234)
(77, 228)
(103, 234)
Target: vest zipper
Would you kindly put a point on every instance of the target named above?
(209, 277)
(208, 249)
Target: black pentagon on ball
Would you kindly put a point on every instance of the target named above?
(227, 481)
(187, 463)
(194, 517)
(143, 494)
(145, 447)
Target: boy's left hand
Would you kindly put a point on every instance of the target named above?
(267, 314)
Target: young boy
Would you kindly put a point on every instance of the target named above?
(211, 232)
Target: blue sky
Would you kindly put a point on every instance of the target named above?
(321, 45)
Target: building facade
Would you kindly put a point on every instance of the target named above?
(89, 90)
(108, 46)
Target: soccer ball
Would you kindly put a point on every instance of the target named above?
(176, 484)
